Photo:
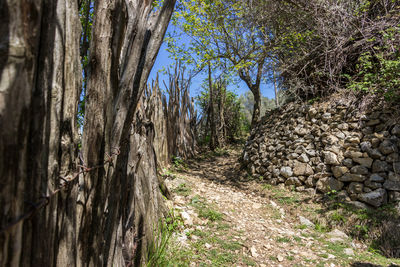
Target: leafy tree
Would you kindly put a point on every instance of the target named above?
(220, 36)
(315, 42)
(246, 101)
(229, 120)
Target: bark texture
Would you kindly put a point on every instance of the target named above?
(180, 116)
(39, 89)
(254, 87)
(126, 37)
(107, 217)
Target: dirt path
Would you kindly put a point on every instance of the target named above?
(230, 220)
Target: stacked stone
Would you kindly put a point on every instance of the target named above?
(329, 146)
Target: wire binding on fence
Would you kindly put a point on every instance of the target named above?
(45, 200)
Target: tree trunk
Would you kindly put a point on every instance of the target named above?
(159, 118)
(222, 126)
(212, 112)
(118, 199)
(245, 75)
(125, 42)
(39, 91)
(257, 107)
(275, 87)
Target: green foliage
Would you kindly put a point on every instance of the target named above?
(183, 190)
(86, 12)
(220, 37)
(378, 71)
(247, 103)
(157, 249)
(316, 45)
(205, 210)
(210, 214)
(178, 163)
(236, 124)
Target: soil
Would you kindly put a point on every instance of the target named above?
(264, 220)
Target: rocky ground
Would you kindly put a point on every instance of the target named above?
(229, 219)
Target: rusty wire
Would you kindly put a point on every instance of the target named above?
(45, 200)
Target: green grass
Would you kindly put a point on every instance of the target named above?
(297, 239)
(204, 210)
(290, 258)
(283, 240)
(248, 261)
(210, 214)
(288, 200)
(301, 226)
(321, 228)
(223, 226)
(183, 190)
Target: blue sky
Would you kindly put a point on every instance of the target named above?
(163, 61)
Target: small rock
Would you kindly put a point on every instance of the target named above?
(373, 185)
(208, 246)
(375, 153)
(343, 126)
(303, 158)
(376, 178)
(353, 154)
(387, 147)
(358, 169)
(273, 204)
(187, 220)
(365, 146)
(351, 177)
(182, 238)
(309, 191)
(392, 158)
(286, 172)
(373, 122)
(257, 205)
(355, 188)
(330, 158)
(392, 185)
(328, 184)
(348, 251)
(367, 189)
(396, 167)
(365, 162)
(311, 153)
(302, 169)
(301, 130)
(358, 205)
(394, 176)
(312, 112)
(326, 116)
(342, 196)
(396, 130)
(337, 236)
(253, 252)
(347, 162)
(352, 139)
(380, 166)
(375, 198)
(305, 221)
(339, 171)
(394, 196)
(280, 258)
(293, 181)
(330, 139)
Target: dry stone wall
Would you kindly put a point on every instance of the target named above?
(328, 146)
